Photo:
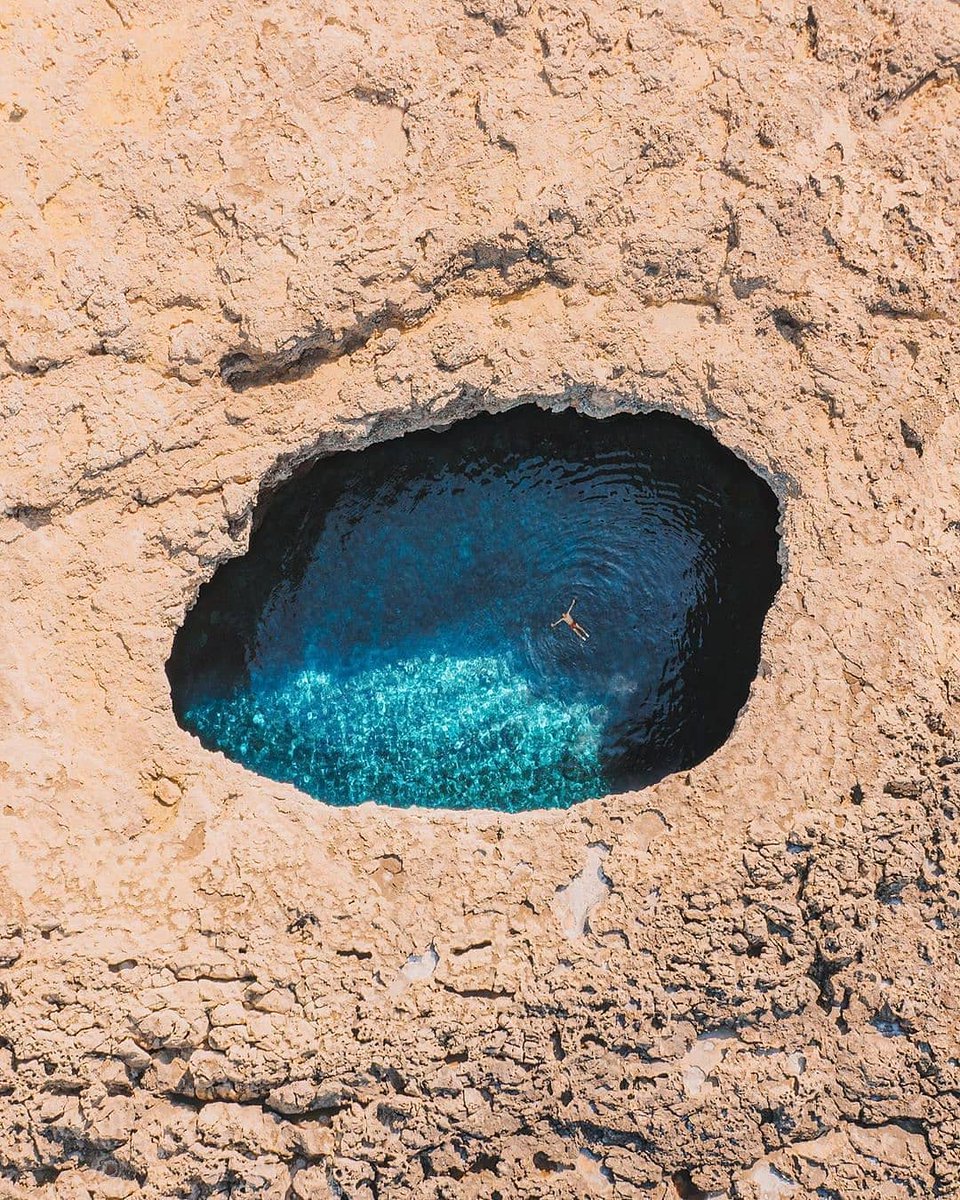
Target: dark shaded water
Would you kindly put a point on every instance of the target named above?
(387, 636)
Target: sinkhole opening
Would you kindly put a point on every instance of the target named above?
(396, 630)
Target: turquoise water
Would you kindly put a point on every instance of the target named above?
(388, 635)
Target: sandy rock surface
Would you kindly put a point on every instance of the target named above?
(237, 236)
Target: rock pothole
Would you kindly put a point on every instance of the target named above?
(521, 611)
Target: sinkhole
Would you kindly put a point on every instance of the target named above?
(394, 632)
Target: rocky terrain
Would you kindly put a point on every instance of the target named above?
(235, 237)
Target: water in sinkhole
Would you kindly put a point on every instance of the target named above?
(388, 634)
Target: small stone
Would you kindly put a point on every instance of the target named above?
(904, 789)
(311, 1184)
(166, 792)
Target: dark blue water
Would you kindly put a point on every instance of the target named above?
(388, 635)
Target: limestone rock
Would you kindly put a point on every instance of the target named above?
(236, 237)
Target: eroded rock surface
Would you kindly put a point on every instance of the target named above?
(235, 236)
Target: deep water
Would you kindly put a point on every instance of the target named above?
(388, 635)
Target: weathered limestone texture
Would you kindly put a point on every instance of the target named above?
(235, 236)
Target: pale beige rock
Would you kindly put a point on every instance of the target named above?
(374, 218)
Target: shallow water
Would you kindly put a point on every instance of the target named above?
(387, 637)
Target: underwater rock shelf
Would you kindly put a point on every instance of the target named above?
(390, 633)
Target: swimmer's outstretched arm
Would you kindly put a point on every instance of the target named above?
(559, 621)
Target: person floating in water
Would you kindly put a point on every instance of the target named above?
(567, 619)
